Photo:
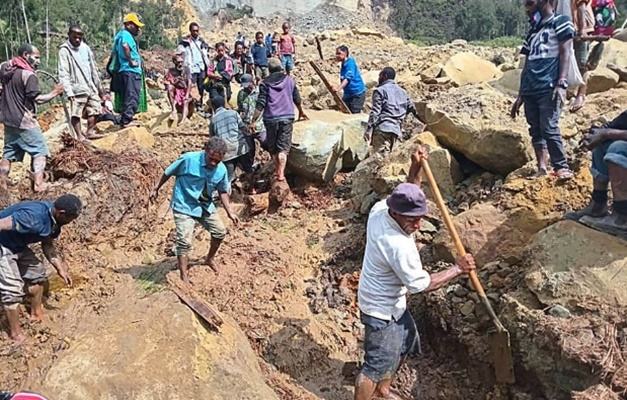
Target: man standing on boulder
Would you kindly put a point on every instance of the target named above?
(609, 165)
(128, 82)
(80, 78)
(277, 95)
(198, 174)
(390, 105)
(18, 113)
(391, 268)
(22, 224)
(543, 84)
(194, 50)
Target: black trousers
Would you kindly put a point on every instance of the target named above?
(199, 80)
(130, 89)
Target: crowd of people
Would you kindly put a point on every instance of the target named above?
(265, 114)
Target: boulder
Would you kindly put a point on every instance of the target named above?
(601, 80)
(329, 142)
(371, 78)
(376, 177)
(614, 52)
(432, 72)
(509, 84)
(122, 139)
(569, 263)
(459, 43)
(474, 120)
(486, 232)
(153, 347)
(507, 67)
(464, 68)
(368, 32)
(396, 41)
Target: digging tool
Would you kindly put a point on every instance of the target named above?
(501, 348)
(340, 103)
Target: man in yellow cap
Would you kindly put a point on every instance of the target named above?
(127, 82)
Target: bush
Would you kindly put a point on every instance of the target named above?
(503, 41)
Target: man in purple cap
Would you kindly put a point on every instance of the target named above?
(391, 268)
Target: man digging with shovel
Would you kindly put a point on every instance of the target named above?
(391, 268)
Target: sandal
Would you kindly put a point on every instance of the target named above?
(563, 174)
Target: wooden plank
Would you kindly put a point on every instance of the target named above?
(193, 301)
(340, 103)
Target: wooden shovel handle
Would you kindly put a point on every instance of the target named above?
(461, 251)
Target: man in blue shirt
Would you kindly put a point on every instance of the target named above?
(197, 175)
(129, 77)
(544, 82)
(20, 225)
(350, 81)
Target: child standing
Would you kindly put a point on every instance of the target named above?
(287, 49)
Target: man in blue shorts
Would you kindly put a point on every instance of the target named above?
(18, 100)
(21, 272)
(392, 268)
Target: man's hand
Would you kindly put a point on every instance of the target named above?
(133, 63)
(466, 263)
(336, 89)
(420, 153)
(58, 89)
(594, 138)
(252, 127)
(153, 195)
(64, 274)
(368, 135)
(234, 218)
(302, 116)
(516, 107)
(559, 94)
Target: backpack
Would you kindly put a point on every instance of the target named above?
(604, 17)
(113, 65)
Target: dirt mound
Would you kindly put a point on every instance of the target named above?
(112, 186)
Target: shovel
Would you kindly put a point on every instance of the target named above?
(501, 349)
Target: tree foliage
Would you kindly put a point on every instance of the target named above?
(100, 19)
(434, 21)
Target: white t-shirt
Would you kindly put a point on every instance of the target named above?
(391, 267)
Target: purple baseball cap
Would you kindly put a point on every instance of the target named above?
(408, 200)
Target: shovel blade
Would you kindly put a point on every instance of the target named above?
(502, 357)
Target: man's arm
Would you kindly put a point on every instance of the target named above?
(6, 224)
(564, 50)
(226, 202)
(417, 156)
(299, 103)
(64, 72)
(49, 250)
(375, 111)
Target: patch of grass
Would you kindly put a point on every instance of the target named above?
(155, 94)
(503, 41)
(152, 280)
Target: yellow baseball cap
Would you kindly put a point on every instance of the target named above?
(134, 18)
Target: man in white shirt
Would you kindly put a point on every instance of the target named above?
(194, 50)
(391, 268)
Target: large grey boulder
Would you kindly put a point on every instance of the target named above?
(329, 142)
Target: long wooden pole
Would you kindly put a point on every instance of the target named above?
(340, 103)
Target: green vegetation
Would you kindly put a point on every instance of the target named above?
(503, 41)
(438, 21)
(100, 19)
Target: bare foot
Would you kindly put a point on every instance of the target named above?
(184, 278)
(172, 116)
(211, 262)
(538, 174)
(578, 104)
(94, 136)
(19, 339)
(37, 316)
(41, 187)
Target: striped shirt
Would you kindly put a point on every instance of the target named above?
(542, 48)
(228, 125)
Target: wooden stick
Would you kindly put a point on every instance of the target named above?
(190, 299)
(340, 103)
(319, 46)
